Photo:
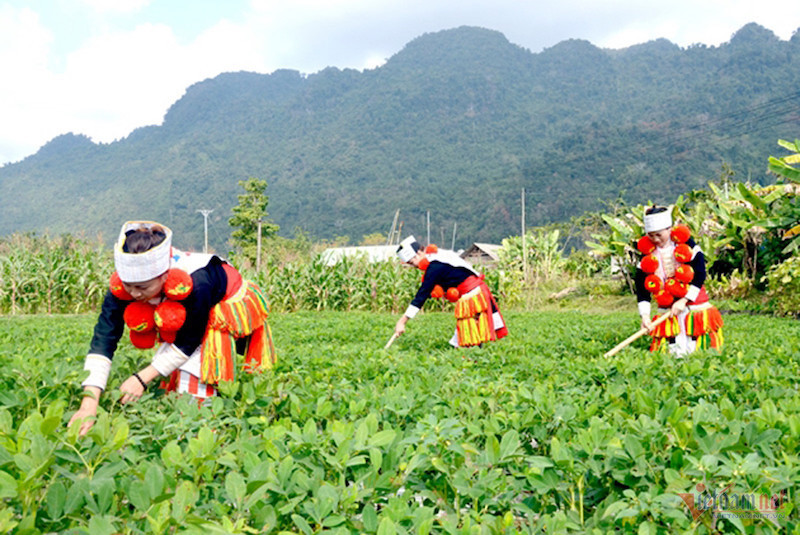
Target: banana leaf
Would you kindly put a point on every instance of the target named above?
(779, 167)
(788, 145)
(617, 225)
(751, 197)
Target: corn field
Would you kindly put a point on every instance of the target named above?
(45, 275)
(352, 284)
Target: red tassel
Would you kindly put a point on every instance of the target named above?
(178, 284)
(664, 299)
(139, 316)
(170, 316)
(680, 233)
(143, 340)
(684, 273)
(168, 336)
(649, 264)
(645, 245)
(676, 288)
(653, 284)
(683, 253)
(118, 289)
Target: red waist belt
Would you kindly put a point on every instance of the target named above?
(702, 297)
(469, 284)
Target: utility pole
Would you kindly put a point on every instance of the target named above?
(453, 245)
(258, 247)
(429, 228)
(205, 213)
(390, 239)
(524, 243)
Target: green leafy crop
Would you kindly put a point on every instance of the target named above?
(537, 433)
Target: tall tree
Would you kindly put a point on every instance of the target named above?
(251, 210)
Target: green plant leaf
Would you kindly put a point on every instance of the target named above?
(8, 485)
(382, 438)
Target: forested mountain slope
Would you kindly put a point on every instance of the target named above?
(457, 123)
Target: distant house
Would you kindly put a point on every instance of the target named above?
(482, 254)
(373, 253)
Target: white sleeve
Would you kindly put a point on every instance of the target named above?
(644, 309)
(168, 358)
(411, 311)
(692, 293)
(98, 366)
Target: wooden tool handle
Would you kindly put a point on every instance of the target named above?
(641, 332)
(392, 339)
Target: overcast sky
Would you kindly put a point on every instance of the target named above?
(105, 67)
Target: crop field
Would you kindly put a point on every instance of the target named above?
(538, 433)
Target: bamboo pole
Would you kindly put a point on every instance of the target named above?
(391, 340)
(638, 334)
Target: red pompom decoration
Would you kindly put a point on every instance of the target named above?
(664, 299)
(680, 233)
(452, 294)
(676, 288)
(117, 288)
(169, 316)
(143, 340)
(168, 336)
(437, 292)
(424, 263)
(139, 317)
(683, 253)
(645, 245)
(649, 263)
(652, 283)
(178, 284)
(684, 273)
(430, 249)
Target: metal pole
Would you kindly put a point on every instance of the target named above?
(258, 248)
(524, 243)
(453, 245)
(429, 228)
(205, 213)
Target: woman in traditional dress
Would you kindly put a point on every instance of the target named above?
(196, 307)
(673, 271)
(447, 275)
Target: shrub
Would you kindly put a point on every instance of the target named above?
(783, 286)
(735, 285)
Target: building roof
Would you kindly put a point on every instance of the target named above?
(489, 249)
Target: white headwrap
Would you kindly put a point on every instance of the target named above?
(140, 267)
(659, 221)
(406, 251)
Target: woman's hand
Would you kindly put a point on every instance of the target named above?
(647, 324)
(87, 413)
(400, 326)
(679, 306)
(132, 389)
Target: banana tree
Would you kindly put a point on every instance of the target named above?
(788, 212)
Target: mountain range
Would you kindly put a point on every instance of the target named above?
(454, 125)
